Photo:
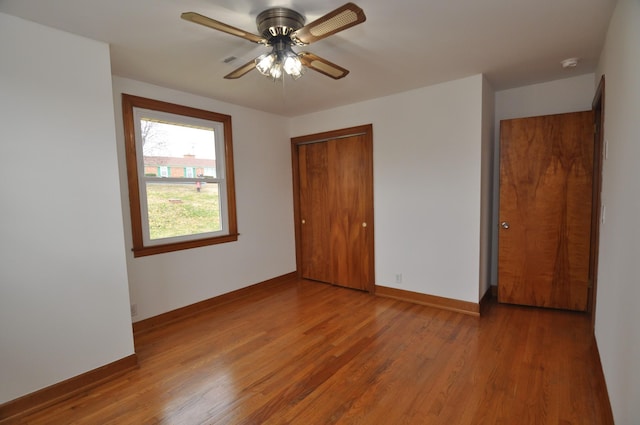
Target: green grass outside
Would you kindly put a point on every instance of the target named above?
(179, 209)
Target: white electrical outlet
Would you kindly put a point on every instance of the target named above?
(134, 310)
(398, 277)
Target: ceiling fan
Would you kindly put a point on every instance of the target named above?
(281, 28)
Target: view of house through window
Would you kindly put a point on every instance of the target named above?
(190, 204)
(182, 181)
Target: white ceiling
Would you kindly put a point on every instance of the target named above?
(404, 44)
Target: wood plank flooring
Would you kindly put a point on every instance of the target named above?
(302, 352)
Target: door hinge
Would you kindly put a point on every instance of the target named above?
(590, 284)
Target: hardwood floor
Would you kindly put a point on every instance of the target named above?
(301, 352)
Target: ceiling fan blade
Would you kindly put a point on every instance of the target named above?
(322, 65)
(340, 19)
(217, 25)
(241, 71)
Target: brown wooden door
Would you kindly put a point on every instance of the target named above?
(546, 168)
(351, 202)
(315, 212)
(336, 211)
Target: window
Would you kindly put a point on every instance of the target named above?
(180, 172)
(208, 171)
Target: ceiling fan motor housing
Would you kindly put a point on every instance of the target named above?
(279, 21)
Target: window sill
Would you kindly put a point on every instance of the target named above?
(161, 249)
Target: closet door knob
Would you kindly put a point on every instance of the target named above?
(505, 225)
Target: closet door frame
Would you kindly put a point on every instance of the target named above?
(366, 131)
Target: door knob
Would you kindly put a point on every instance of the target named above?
(304, 221)
(504, 225)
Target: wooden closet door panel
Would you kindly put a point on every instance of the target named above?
(546, 169)
(315, 212)
(350, 174)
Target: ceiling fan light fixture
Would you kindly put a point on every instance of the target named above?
(281, 60)
(275, 71)
(264, 63)
(293, 66)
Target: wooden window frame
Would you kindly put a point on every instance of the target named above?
(129, 102)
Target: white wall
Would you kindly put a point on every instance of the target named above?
(64, 306)
(427, 152)
(570, 94)
(617, 313)
(266, 245)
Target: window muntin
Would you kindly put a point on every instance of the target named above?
(183, 195)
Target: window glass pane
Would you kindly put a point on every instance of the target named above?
(209, 172)
(179, 209)
(177, 150)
